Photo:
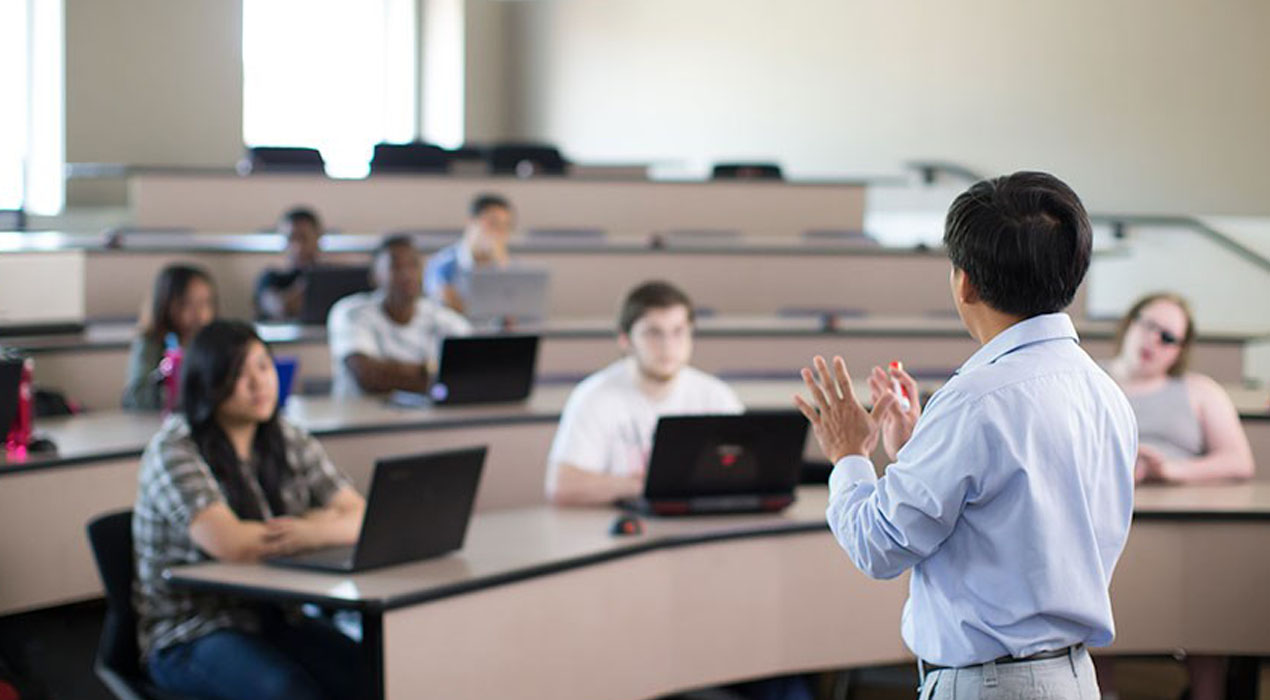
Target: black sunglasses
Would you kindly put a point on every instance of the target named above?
(1166, 336)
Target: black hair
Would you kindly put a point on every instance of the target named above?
(171, 284)
(484, 201)
(209, 370)
(297, 214)
(396, 240)
(1023, 240)
(651, 295)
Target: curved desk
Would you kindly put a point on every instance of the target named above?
(95, 470)
(46, 500)
(543, 603)
(589, 280)
(90, 367)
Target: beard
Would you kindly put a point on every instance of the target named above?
(653, 374)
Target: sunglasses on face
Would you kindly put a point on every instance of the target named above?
(1166, 336)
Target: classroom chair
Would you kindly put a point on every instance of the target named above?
(116, 665)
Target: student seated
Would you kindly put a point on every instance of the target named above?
(1188, 430)
(228, 478)
(602, 446)
(280, 292)
(183, 301)
(389, 339)
(489, 227)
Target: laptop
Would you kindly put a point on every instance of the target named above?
(418, 507)
(478, 369)
(492, 294)
(746, 463)
(327, 284)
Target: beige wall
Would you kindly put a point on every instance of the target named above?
(152, 82)
(1144, 105)
(486, 102)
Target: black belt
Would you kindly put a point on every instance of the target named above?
(1002, 660)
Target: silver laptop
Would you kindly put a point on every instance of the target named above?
(494, 294)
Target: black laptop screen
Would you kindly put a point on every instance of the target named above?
(752, 453)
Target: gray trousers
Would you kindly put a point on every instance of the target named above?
(1062, 678)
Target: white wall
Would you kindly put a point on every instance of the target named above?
(152, 82)
(1143, 105)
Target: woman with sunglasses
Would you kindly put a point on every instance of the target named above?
(1188, 429)
(230, 479)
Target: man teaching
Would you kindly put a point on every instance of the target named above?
(1010, 495)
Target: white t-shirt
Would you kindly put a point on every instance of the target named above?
(358, 324)
(608, 423)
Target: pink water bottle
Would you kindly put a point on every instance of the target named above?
(170, 369)
(19, 435)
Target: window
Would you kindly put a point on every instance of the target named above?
(31, 152)
(336, 75)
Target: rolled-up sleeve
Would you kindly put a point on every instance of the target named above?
(887, 525)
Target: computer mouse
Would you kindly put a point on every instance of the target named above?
(626, 524)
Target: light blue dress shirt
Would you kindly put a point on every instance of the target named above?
(1011, 502)
(448, 265)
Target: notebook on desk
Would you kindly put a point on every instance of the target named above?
(747, 463)
(418, 507)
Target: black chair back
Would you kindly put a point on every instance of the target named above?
(117, 664)
(747, 171)
(285, 159)
(538, 159)
(415, 157)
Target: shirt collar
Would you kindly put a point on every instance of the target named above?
(1026, 332)
(463, 256)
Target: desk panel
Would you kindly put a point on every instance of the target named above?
(650, 624)
(592, 282)
(230, 203)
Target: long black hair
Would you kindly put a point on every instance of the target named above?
(210, 368)
(171, 284)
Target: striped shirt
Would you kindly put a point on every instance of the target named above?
(174, 486)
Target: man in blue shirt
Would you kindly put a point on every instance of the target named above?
(490, 223)
(1010, 496)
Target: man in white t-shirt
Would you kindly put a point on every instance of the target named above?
(389, 339)
(602, 446)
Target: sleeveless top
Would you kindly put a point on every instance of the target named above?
(1167, 422)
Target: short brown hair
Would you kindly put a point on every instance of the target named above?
(1184, 357)
(651, 295)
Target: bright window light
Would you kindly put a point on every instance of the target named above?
(31, 151)
(13, 117)
(336, 75)
(46, 149)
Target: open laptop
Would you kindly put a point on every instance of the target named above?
(479, 369)
(492, 294)
(744, 463)
(418, 507)
(327, 284)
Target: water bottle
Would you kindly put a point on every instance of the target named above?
(19, 435)
(170, 370)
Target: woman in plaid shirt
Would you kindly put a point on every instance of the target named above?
(230, 479)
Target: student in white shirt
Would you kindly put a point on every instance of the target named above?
(389, 339)
(601, 448)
